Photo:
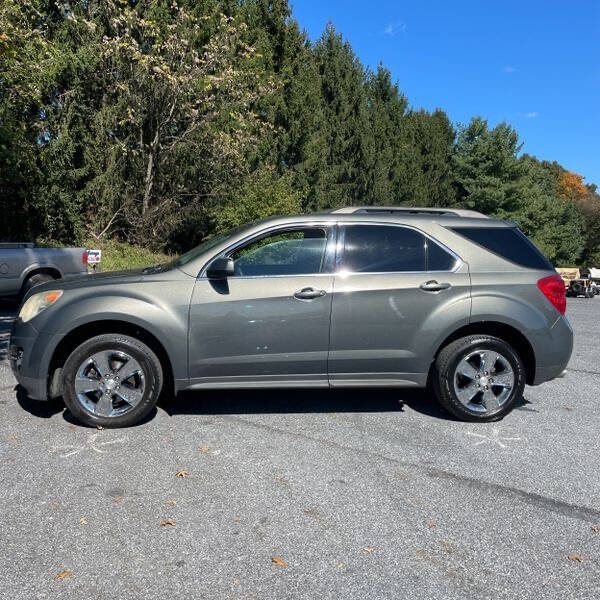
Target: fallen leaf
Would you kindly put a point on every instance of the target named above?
(63, 575)
(340, 565)
(596, 528)
(172, 501)
(576, 556)
(569, 408)
(99, 427)
(167, 522)
(12, 438)
(118, 500)
(278, 561)
(369, 549)
(83, 521)
(181, 473)
(204, 449)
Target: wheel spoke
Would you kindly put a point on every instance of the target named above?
(101, 363)
(488, 360)
(131, 367)
(506, 379)
(466, 369)
(133, 396)
(467, 393)
(84, 384)
(104, 406)
(490, 400)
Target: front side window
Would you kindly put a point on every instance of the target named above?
(382, 249)
(289, 252)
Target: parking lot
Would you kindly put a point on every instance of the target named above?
(307, 494)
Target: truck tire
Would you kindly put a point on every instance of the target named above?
(35, 279)
(577, 288)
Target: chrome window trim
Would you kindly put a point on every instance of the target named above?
(331, 235)
(458, 261)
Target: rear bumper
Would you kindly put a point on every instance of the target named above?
(554, 354)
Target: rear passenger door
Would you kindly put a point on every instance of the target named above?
(395, 290)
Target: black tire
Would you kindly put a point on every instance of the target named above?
(445, 372)
(35, 279)
(577, 288)
(151, 370)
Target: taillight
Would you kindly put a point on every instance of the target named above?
(553, 287)
(84, 257)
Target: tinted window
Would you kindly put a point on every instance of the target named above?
(382, 249)
(439, 259)
(293, 252)
(509, 243)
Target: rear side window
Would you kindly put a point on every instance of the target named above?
(509, 243)
(439, 259)
(382, 249)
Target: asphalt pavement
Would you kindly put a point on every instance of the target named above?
(307, 494)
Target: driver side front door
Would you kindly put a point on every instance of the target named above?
(268, 324)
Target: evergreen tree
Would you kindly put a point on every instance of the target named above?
(388, 168)
(488, 175)
(429, 172)
(342, 179)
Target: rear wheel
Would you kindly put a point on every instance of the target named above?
(479, 378)
(112, 380)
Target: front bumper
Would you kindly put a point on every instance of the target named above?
(29, 355)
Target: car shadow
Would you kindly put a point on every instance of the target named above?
(41, 409)
(236, 402)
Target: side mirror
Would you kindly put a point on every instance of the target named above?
(220, 268)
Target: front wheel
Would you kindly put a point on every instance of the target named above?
(112, 380)
(478, 378)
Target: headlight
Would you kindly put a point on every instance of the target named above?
(37, 303)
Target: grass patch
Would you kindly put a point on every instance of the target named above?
(119, 256)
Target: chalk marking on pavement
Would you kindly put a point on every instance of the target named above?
(494, 438)
(91, 444)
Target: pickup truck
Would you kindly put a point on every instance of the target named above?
(22, 266)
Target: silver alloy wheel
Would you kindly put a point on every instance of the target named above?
(483, 381)
(110, 383)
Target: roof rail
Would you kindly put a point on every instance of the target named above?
(410, 210)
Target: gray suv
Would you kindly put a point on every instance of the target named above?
(359, 297)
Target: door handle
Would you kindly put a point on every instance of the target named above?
(434, 286)
(309, 293)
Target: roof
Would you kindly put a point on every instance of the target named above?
(411, 210)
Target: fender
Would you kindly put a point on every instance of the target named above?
(168, 323)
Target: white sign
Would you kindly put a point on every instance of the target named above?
(94, 257)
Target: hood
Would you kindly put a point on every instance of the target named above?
(91, 280)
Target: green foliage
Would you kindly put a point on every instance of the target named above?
(119, 256)
(488, 174)
(159, 123)
(262, 194)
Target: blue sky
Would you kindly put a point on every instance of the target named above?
(534, 64)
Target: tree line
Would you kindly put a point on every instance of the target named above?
(161, 122)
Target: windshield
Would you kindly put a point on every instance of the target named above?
(212, 242)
